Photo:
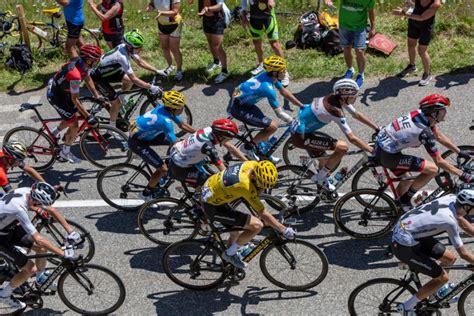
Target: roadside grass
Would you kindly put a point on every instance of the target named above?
(451, 48)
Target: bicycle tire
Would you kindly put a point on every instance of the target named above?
(89, 102)
(116, 174)
(388, 213)
(278, 249)
(383, 309)
(166, 230)
(184, 253)
(112, 149)
(148, 106)
(34, 151)
(462, 310)
(61, 37)
(80, 273)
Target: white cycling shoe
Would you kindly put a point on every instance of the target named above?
(12, 302)
(324, 183)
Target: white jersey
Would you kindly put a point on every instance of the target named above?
(117, 59)
(430, 219)
(13, 209)
(325, 116)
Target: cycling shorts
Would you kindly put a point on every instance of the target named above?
(213, 25)
(17, 236)
(115, 39)
(144, 150)
(399, 163)
(420, 257)
(249, 114)
(103, 83)
(225, 215)
(259, 27)
(190, 175)
(317, 141)
(173, 30)
(73, 31)
(63, 105)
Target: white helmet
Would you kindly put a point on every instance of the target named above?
(346, 87)
(43, 193)
(465, 197)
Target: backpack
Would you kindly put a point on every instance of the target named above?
(330, 42)
(308, 34)
(20, 58)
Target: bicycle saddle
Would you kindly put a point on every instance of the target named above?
(51, 11)
(28, 106)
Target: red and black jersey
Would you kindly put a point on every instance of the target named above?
(68, 79)
(115, 24)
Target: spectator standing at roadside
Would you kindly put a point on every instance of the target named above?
(169, 29)
(74, 21)
(353, 16)
(110, 13)
(213, 23)
(421, 21)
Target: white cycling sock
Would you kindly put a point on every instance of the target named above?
(66, 149)
(55, 131)
(6, 291)
(322, 174)
(232, 250)
(411, 303)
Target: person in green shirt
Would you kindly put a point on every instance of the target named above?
(353, 15)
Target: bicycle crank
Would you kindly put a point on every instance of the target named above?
(236, 275)
(33, 300)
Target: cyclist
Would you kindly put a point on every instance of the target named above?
(13, 155)
(414, 242)
(63, 95)
(321, 112)
(13, 210)
(244, 99)
(186, 154)
(115, 66)
(413, 130)
(244, 180)
(155, 128)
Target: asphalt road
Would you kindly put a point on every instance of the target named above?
(121, 248)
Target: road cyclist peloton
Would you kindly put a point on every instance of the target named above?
(243, 180)
(13, 210)
(321, 112)
(413, 241)
(63, 94)
(411, 131)
(243, 105)
(188, 153)
(155, 128)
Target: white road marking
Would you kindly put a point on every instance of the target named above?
(91, 203)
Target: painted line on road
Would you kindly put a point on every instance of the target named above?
(91, 203)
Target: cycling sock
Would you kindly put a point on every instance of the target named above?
(406, 198)
(55, 131)
(216, 61)
(411, 303)
(6, 291)
(147, 191)
(113, 122)
(232, 250)
(66, 149)
(323, 173)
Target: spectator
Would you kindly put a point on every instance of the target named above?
(263, 22)
(169, 30)
(109, 13)
(74, 21)
(352, 30)
(213, 23)
(421, 21)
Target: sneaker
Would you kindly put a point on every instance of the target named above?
(360, 80)
(179, 76)
(349, 73)
(286, 80)
(166, 72)
(212, 66)
(69, 157)
(221, 77)
(257, 70)
(250, 153)
(12, 302)
(408, 70)
(234, 260)
(425, 79)
(324, 183)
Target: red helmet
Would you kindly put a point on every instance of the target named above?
(90, 52)
(434, 103)
(225, 128)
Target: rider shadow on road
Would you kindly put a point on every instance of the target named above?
(308, 94)
(320, 215)
(42, 312)
(212, 89)
(389, 87)
(148, 259)
(115, 222)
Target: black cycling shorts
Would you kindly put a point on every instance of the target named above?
(213, 25)
(63, 105)
(15, 237)
(398, 162)
(73, 31)
(103, 83)
(191, 175)
(115, 39)
(420, 257)
(319, 142)
(226, 215)
(143, 149)
(249, 114)
(421, 31)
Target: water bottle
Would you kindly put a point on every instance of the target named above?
(40, 279)
(340, 174)
(246, 249)
(272, 140)
(264, 147)
(443, 291)
(127, 106)
(420, 198)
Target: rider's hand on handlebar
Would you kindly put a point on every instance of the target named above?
(69, 254)
(466, 177)
(92, 121)
(74, 238)
(289, 233)
(156, 90)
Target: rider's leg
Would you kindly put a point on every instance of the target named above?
(114, 110)
(25, 272)
(264, 134)
(70, 135)
(251, 229)
(156, 176)
(55, 131)
(40, 262)
(428, 172)
(126, 83)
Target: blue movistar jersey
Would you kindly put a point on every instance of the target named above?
(73, 12)
(306, 122)
(155, 122)
(257, 88)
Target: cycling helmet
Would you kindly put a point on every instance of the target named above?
(266, 174)
(134, 38)
(274, 63)
(346, 87)
(90, 52)
(434, 103)
(43, 193)
(225, 128)
(465, 197)
(15, 150)
(173, 99)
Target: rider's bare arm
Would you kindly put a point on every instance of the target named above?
(290, 97)
(443, 164)
(137, 81)
(59, 218)
(465, 225)
(269, 219)
(186, 127)
(140, 62)
(43, 242)
(234, 151)
(443, 139)
(364, 119)
(465, 254)
(358, 142)
(33, 173)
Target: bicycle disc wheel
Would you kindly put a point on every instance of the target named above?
(186, 115)
(105, 146)
(466, 302)
(91, 290)
(121, 186)
(166, 220)
(371, 220)
(379, 297)
(194, 264)
(40, 147)
(295, 265)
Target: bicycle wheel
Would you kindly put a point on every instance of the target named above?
(371, 220)
(87, 36)
(295, 265)
(41, 149)
(364, 179)
(105, 146)
(121, 186)
(379, 297)
(91, 290)
(194, 264)
(166, 220)
(466, 302)
(102, 116)
(186, 115)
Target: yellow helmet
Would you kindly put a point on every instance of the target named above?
(274, 63)
(173, 99)
(266, 174)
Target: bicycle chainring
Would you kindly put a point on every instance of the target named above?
(236, 275)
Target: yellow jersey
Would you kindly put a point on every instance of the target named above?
(232, 184)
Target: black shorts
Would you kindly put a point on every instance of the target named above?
(421, 31)
(63, 104)
(191, 175)
(213, 25)
(103, 83)
(16, 237)
(249, 114)
(398, 162)
(174, 30)
(315, 141)
(73, 31)
(115, 39)
(226, 215)
(144, 150)
(420, 257)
